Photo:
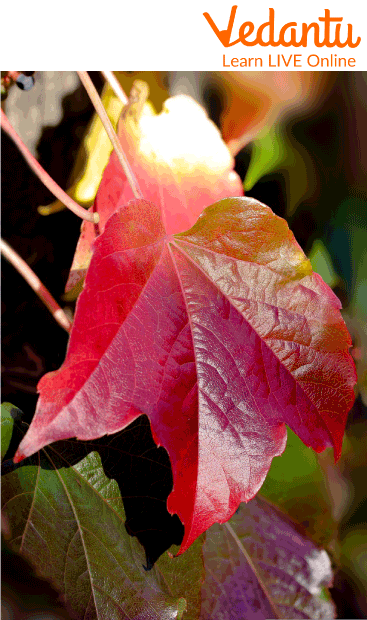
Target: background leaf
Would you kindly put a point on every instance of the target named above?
(69, 522)
(262, 566)
(8, 415)
(296, 484)
(321, 262)
(184, 575)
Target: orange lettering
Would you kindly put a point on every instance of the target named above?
(224, 36)
(293, 35)
(243, 35)
(247, 28)
(349, 40)
(306, 29)
(289, 59)
(327, 19)
(261, 29)
(297, 60)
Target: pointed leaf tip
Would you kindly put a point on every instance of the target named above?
(19, 456)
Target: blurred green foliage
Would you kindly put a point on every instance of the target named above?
(321, 263)
(7, 422)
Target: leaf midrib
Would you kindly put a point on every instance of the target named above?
(254, 569)
(80, 528)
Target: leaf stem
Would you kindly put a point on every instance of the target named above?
(96, 100)
(35, 283)
(54, 188)
(115, 85)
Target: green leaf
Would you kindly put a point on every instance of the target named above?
(68, 521)
(8, 414)
(274, 151)
(184, 575)
(321, 262)
(354, 555)
(268, 154)
(296, 484)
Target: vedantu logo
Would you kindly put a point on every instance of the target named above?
(321, 32)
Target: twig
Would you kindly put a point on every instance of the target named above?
(115, 85)
(96, 100)
(44, 176)
(33, 281)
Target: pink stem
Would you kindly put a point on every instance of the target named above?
(44, 177)
(96, 100)
(33, 281)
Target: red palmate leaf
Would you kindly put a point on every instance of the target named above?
(221, 335)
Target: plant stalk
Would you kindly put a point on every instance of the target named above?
(35, 283)
(98, 105)
(115, 85)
